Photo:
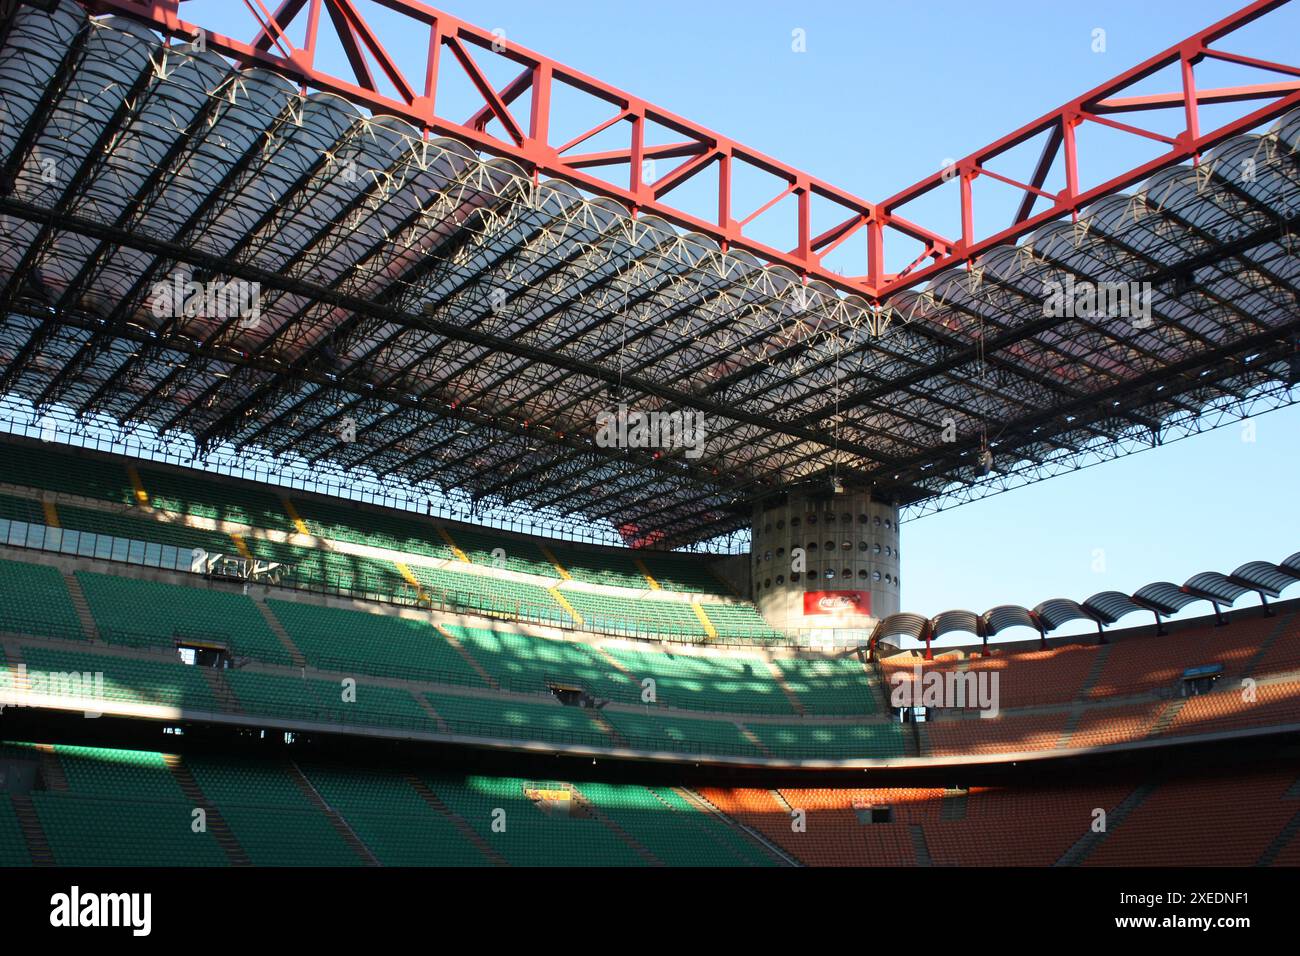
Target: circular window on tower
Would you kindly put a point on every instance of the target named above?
(847, 574)
(795, 522)
(780, 525)
(887, 524)
(863, 547)
(846, 518)
(830, 574)
(875, 548)
(864, 519)
(886, 550)
(812, 519)
(875, 575)
(862, 574)
(812, 545)
(846, 545)
(830, 545)
(780, 579)
(877, 521)
(794, 576)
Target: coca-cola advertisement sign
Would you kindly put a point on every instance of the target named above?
(837, 602)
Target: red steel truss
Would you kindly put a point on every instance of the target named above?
(530, 144)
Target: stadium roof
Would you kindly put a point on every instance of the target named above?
(438, 314)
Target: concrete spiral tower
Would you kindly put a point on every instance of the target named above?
(825, 565)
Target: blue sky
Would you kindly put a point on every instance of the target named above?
(884, 94)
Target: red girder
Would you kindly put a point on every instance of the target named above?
(701, 148)
(1060, 125)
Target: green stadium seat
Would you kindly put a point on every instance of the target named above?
(13, 847)
(671, 830)
(123, 808)
(36, 601)
(614, 568)
(673, 733)
(234, 502)
(732, 684)
(505, 718)
(532, 837)
(831, 685)
(388, 815)
(396, 532)
(134, 612)
(56, 468)
(312, 699)
(620, 615)
(740, 621)
(123, 831)
(271, 818)
(379, 644)
(138, 527)
(129, 680)
(830, 741)
(519, 554)
(530, 664)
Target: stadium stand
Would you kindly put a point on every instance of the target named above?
(341, 664)
(947, 738)
(13, 850)
(496, 681)
(271, 527)
(528, 663)
(390, 817)
(833, 741)
(272, 818)
(36, 601)
(538, 831)
(276, 811)
(33, 466)
(1215, 821)
(122, 808)
(131, 611)
(379, 644)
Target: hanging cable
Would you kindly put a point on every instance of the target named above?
(984, 460)
(837, 486)
(622, 345)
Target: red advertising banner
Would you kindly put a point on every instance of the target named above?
(837, 602)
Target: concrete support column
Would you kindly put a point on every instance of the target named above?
(825, 565)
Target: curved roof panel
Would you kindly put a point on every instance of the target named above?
(1262, 576)
(1008, 615)
(1109, 606)
(1163, 596)
(472, 325)
(1215, 587)
(903, 624)
(950, 621)
(1057, 611)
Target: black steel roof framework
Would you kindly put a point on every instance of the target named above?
(473, 323)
